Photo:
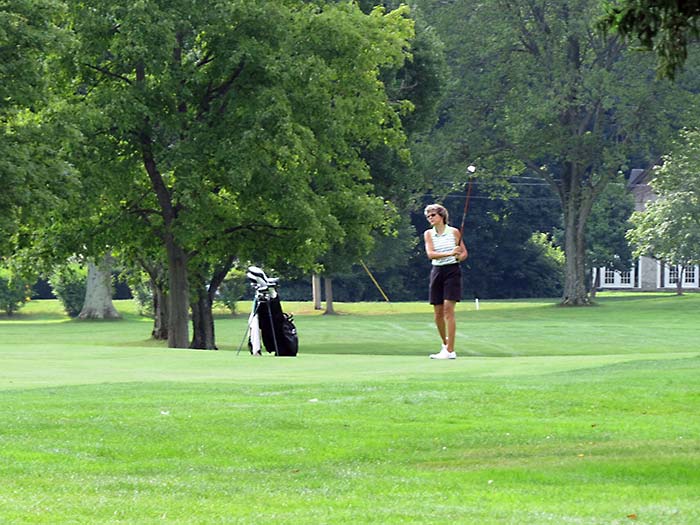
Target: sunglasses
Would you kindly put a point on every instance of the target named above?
(431, 214)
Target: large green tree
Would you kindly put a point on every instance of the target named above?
(232, 126)
(540, 92)
(32, 173)
(669, 227)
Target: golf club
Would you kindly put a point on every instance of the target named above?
(471, 169)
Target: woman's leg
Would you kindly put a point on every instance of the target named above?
(449, 324)
(440, 321)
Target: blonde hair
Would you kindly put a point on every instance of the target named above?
(439, 209)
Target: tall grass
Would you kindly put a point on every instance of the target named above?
(549, 415)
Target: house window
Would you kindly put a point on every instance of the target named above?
(609, 276)
(689, 275)
(673, 274)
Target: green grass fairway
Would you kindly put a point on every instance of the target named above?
(549, 416)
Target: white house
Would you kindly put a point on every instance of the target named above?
(647, 274)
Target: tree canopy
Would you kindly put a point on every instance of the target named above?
(31, 168)
(669, 227)
(541, 93)
(237, 127)
(667, 27)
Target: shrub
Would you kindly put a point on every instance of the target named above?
(232, 289)
(14, 291)
(69, 283)
(547, 261)
(142, 295)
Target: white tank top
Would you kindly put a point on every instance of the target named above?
(444, 243)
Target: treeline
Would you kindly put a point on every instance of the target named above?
(179, 141)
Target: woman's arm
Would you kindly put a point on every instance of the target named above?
(461, 248)
(430, 248)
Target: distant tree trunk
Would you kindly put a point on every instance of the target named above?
(662, 271)
(157, 279)
(575, 292)
(679, 280)
(178, 300)
(203, 334)
(577, 201)
(596, 282)
(98, 294)
(160, 312)
(316, 290)
(328, 282)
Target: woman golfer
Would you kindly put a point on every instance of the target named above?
(445, 248)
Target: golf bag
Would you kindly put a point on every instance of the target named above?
(279, 334)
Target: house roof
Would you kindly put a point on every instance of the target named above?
(638, 177)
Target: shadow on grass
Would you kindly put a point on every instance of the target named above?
(27, 318)
(633, 296)
(24, 317)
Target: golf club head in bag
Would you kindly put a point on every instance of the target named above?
(259, 279)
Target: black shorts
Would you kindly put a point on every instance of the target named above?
(445, 284)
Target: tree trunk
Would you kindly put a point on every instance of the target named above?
(159, 296)
(329, 296)
(178, 300)
(679, 280)
(160, 312)
(316, 290)
(98, 294)
(203, 336)
(577, 206)
(596, 283)
(575, 292)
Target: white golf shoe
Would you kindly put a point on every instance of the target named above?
(444, 354)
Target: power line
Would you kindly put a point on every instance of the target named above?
(484, 198)
(542, 183)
